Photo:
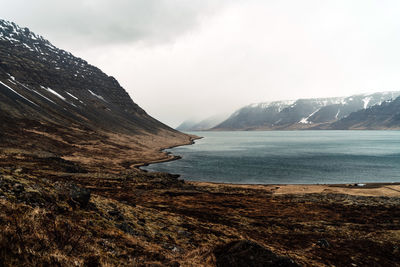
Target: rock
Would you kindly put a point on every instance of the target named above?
(176, 249)
(80, 195)
(174, 264)
(141, 221)
(323, 243)
(33, 198)
(116, 214)
(157, 180)
(173, 248)
(92, 261)
(126, 228)
(18, 188)
(184, 233)
(245, 253)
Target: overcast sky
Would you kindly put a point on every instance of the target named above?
(181, 59)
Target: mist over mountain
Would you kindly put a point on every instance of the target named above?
(203, 125)
(301, 113)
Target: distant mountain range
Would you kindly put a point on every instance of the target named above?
(364, 111)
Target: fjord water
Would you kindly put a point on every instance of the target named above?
(289, 157)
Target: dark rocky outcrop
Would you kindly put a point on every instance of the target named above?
(80, 196)
(245, 253)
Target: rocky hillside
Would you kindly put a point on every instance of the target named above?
(302, 113)
(52, 101)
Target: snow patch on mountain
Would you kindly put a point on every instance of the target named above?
(279, 105)
(8, 87)
(337, 114)
(48, 99)
(48, 89)
(71, 95)
(98, 96)
(45, 51)
(306, 120)
(366, 101)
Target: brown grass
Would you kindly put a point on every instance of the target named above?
(153, 219)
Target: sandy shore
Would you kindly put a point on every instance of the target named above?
(371, 189)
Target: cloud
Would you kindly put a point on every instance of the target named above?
(257, 51)
(197, 58)
(88, 22)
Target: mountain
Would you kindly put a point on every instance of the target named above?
(203, 125)
(383, 116)
(54, 102)
(187, 125)
(302, 113)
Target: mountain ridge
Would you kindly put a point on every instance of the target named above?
(48, 94)
(383, 116)
(313, 113)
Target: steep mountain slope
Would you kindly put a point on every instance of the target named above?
(383, 116)
(61, 104)
(300, 114)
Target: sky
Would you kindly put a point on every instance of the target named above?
(191, 59)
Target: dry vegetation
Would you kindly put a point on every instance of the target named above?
(93, 208)
(135, 218)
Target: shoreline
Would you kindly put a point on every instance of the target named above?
(168, 155)
(344, 185)
(368, 189)
(375, 188)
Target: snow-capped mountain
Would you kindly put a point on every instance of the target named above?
(43, 86)
(301, 113)
(383, 116)
(40, 77)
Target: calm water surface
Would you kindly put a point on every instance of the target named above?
(290, 157)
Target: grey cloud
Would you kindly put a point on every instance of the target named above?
(237, 51)
(109, 22)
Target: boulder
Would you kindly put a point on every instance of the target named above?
(126, 228)
(18, 188)
(323, 243)
(245, 253)
(80, 195)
